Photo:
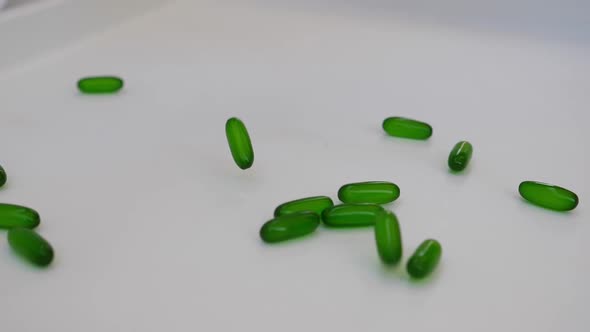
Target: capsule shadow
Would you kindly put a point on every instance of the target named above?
(558, 213)
(392, 271)
(288, 242)
(28, 265)
(408, 141)
(426, 281)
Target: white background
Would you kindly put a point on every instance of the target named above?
(156, 229)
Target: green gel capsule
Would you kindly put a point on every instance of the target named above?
(460, 156)
(407, 128)
(377, 192)
(31, 246)
(351, 215)
(12, 216)
(425, 259)
(239, 143)
(548, 196)
(289, 226)
(2, 176)
(388, 238)
(315, 204)
(100, 84)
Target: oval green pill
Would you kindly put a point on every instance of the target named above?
(460, 156)
(548, 196)
(289, 226)
(315, 204)
(376, 192)
(425, 259)
(12, 216)
(2, 176)
(407, 128)
(351, 215)
(388, 238)
(31, 246)
(100, 84)
(239, 143)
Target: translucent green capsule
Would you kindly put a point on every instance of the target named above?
(376, 192)
(239, 143)
(289, 226)
(548, 196)
(388, 238)
(100, 84)
(315, 204)
(12, 216)
(351, 215)
(31, 246)
(2, 176)
(407, 128)
(425, 259)
(460, 156)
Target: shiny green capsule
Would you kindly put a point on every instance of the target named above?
(315, 204)
(407, 128)
(239, 143)
(460, 156)
(2, 176)
(351, 215)
(12, 216)
(100, 84)
(548, 196)
(425, 259)
(31, 246)
(289, 226)
(388, 238)
(376, 192)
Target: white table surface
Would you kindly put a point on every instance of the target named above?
(156, 229)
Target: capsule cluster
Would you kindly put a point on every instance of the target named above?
(361, 207)
(362, 201)
(20, 222)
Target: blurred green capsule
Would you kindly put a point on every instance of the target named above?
(100, 84)
(31, 246)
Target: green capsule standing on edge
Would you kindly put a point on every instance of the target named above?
(460, 156)
(239, 143)
(376, 192)
(289, 226)
(100, 84)
(12, 216)
(407, 128)
(548, 196)
(388, 238)
(351, 215)
(31, 246)
(425, 259)
(2, 176)
(315, 204)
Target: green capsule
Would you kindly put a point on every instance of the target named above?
(289, 226)
(548, 196)
(460, 156)
(2, 176)
(351, 215)
(425, 259)
(388, 238)
(315, 204)
(239, 143)
(377, 192)
(30, 246)
(100, 84)
(12, 216)
(407, 128)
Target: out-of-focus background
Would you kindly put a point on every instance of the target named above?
(155, 228)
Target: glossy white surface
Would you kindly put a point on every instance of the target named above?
(156, 229)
